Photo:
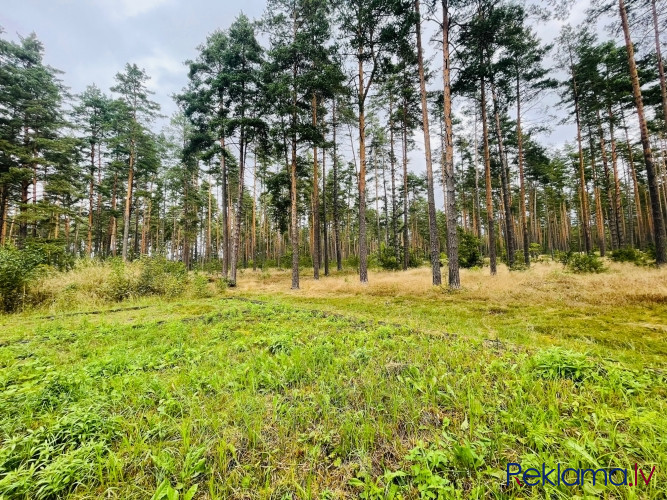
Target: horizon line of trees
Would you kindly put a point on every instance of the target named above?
(296, 153)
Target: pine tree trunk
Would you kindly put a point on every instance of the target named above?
(91, 196)
(324, 215)
(113, 222)
(487, 173)
(454, 279)
(406, 208)
(128, 202)
(239, 210)
(336, 219)
(363, 252)
(504, 178)
(294, 220)
(522, 185)
(432, 222)
(224, 204)
(254, 213)
(661, 65)
(599, 217)
(658, 223)
(583, 193)
(392, 165)
(316, 201)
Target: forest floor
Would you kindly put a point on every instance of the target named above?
(394, 389)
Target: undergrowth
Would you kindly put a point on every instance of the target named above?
(235, 399)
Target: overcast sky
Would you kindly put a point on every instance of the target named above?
(91, 40)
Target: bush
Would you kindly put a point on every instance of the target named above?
(415, 259)
(17, 270)
(585, 263)
(469, 250)
(387, 259)
(629, 254)
(159, 276)
(199, 286)
(563, 257)
(534, 250)
(147, 276)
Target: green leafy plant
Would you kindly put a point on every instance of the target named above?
(629, 254)
(469, 250)
(556, 363)
(18, 268)
(585, 263)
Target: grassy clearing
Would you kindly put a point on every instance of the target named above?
(393, 390)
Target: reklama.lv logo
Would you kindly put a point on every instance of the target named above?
(616, 476)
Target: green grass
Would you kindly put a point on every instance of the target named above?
(274, 398)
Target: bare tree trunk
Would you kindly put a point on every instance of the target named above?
(658, 223)
(599, 218)
(487, 173)
(363, 251)
(661, 65)
(392, 165)
(504, 178)
(91, 196)
(294, 220)
(406, 231)
(582, 176)
(316, 201)
(635, 186)
(336, 220)
(522, 186)
(432, 222)
(254, 213)
(450, 186)
(113, 222)
(239, 210)
(225, 219)
(128, 202)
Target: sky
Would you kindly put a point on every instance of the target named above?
(91, 40)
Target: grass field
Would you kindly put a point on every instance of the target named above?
(391, 390)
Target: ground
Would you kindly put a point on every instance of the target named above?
(395, 389)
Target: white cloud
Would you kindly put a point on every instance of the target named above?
(122, 9)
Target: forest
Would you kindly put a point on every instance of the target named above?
(357, 262)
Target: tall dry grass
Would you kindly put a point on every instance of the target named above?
(543, 283)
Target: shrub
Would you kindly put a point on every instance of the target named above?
(148, 276)
(159, 276)
(563, 257)
(387, 259)
(199, 286)
(17, 269)
(629, 254)
(535, 249)
(469, 250)
(585, 263)
(415, 259)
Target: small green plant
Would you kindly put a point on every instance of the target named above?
(167, 492)
(556, 363)
(585, 263)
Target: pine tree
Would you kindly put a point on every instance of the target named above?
(132, 89)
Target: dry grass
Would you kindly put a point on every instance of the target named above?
(544, 283)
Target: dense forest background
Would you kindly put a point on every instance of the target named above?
(295, 143)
